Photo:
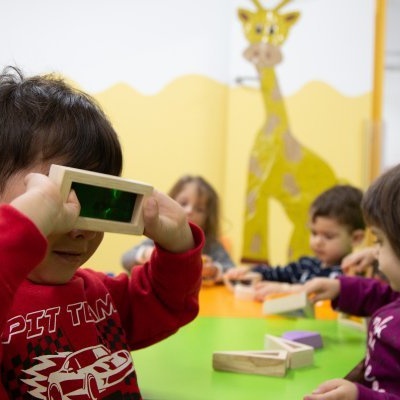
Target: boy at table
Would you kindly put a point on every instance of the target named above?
(336, 228)
(66, 330)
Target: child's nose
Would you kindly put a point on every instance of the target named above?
(318, 239)
(78, 233)
(188, 209)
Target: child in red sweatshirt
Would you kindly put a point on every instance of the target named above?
(67, 332)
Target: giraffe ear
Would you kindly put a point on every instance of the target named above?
(244, 15)
(291, 18)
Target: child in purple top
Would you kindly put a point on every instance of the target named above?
(369, 297)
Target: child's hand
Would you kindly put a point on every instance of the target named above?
(210, 272)
(359, 261)
(236, 273)
(265, 288)
(335, 389)
(165, 222)
(42, 203)
(322, 289)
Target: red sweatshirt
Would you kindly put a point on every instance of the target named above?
(73, 341)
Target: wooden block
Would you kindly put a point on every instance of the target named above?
(309, 338)
(299, 355)
(292, 304)
(270, 363)
(108, 203)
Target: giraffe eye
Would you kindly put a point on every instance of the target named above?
(272, 29)
(259, 29)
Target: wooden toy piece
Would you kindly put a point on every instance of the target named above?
(270, 363)
(108, 203)
(292, 304)
(354, 321)
(299, 354)
(312, 339)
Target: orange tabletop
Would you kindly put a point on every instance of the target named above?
(219, 301)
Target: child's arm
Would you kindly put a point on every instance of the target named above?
(137, 255)
(353, 295)
(265, 288)
(24, 223)
(219, 255)
(236, 273)
(292, 272)
(216, 261)
(363, 296)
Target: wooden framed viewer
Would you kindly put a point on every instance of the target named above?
(108, 203)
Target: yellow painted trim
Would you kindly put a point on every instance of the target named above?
(379, 64)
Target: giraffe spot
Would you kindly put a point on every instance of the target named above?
(251, 202)
(276, 93)
(293, 151)
(290, 185)
(255, 245)
(254, 167)
(271, 124)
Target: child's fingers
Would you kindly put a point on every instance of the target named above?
(73, 205)
(333, 389)
(151, 217)
(311, 287)
(165, 222)
(72, 209)
(314, 290)
(328, 386)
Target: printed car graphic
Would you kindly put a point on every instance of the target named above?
(89, 372)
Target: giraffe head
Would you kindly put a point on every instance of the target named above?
(266, 30)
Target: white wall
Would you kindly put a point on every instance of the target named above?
(148, 43)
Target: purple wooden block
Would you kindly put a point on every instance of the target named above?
(313, 339)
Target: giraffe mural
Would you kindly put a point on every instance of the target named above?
(280, 167)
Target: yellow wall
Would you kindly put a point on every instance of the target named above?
(196, 125)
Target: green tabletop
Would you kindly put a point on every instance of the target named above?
(180, 367)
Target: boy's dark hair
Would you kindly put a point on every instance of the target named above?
(342, 203)
(43, 118)
(381, 206)
(211, 225)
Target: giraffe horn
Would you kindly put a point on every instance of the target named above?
(281, 4)
(257, 4)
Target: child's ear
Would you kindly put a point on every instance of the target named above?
(358, 237)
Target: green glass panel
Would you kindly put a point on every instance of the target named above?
(104, 203)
